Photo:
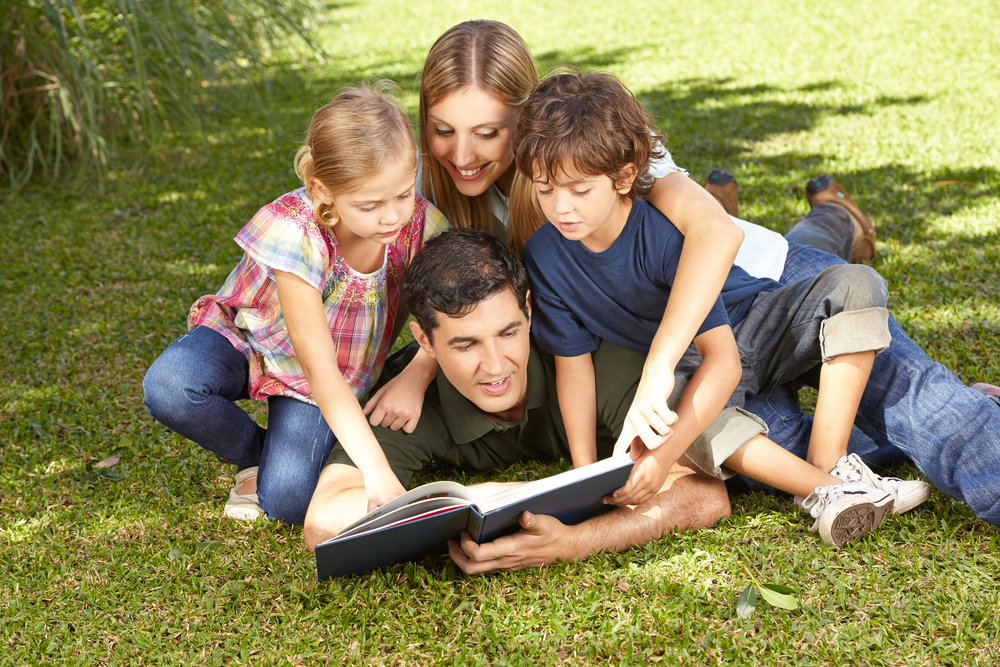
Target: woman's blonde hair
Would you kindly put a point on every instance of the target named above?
(492, 57)
(355, 137)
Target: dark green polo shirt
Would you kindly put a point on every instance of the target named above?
(451, 430)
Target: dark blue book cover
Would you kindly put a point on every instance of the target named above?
(571, 497)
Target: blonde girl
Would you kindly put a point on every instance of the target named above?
(307, 316)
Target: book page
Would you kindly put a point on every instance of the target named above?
(416, 510)
(432, 490)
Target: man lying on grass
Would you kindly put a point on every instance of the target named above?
(494, 403)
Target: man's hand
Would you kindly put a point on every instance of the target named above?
(646, 480)
(649, 417)
(397, 405)
(542, 540)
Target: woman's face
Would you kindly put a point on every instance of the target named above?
(469, 132)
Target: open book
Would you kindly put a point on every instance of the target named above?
(422, 520)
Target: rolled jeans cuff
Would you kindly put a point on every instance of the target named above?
(853, 331)
(732, 429)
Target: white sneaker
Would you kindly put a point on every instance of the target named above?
(845, 511)
(907, 493)
(243, 507)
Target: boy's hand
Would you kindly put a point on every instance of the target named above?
(397, 405)
(646, 480)
(381, 487)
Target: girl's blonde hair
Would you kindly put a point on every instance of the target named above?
(492, 57)
(356, 136)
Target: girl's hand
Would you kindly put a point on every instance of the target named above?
(381, 487)
(397, 405)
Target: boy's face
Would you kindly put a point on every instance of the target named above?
(590, 209)
(484, 354)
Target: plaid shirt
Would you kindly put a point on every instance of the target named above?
(360, 308)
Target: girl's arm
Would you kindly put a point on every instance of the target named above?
(700, 403)
(711, 241)
(577, 392)
(398, 403)
(302, 308)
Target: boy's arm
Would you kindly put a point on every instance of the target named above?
(700, 403)
(577, 392)
(711, 241)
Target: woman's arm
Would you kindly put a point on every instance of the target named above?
(711, 242)
(302, 308)
(577, 392)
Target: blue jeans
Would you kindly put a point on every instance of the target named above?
(912, 408)
(191, 389)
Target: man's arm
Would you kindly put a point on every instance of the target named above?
(689, 499)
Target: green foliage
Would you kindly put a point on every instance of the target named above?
(82, 79)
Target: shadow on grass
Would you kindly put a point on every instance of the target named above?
(714, 119)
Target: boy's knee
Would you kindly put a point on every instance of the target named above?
(860, 286)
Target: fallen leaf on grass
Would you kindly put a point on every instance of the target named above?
(108, 462)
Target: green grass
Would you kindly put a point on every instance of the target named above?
(135, 565)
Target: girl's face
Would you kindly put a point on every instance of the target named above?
(377, 210)
(469, 132)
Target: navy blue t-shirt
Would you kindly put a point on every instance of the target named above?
(580, 297)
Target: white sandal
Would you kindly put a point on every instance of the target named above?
(243, 507)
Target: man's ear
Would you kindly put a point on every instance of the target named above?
(625, 179)
(527, 305)
(421, 338)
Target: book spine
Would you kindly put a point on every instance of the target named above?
(475, 525)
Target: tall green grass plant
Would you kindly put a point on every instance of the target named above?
(83, 81)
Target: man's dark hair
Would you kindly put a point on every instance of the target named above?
(457, 270)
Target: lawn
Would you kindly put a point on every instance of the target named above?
(135, 564)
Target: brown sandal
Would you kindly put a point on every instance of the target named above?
(722, 185)
(825, 189)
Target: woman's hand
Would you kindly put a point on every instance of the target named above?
(649, 417)
(397, 405)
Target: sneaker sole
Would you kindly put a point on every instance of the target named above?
(856, 521)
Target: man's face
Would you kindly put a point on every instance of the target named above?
(485, 353)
